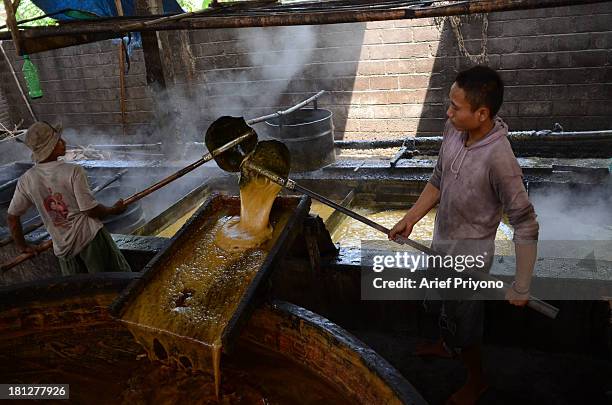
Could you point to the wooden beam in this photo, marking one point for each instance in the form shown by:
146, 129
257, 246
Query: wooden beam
153, 62
119, 8
32, 46
280, 18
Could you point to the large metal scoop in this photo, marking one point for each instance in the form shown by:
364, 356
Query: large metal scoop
228, 139
224, 130
272, 155
264, 167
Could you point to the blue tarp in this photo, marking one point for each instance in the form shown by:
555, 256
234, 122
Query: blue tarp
101, 8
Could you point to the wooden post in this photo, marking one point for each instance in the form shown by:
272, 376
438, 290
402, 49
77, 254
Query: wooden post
121, 58
11, 22
150, 48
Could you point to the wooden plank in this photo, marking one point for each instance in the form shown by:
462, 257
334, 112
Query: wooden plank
31, 46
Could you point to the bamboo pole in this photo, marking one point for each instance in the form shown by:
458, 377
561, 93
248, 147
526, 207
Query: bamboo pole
46, 245
11, 22
25, 99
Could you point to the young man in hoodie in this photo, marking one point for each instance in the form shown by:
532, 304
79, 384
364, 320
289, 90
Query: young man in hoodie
71, 214
475, 178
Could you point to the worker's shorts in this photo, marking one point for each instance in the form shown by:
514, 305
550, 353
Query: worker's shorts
461, 324
461, 317
100, 255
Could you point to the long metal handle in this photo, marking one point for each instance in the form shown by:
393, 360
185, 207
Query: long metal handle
206, 158
287, 111
534, 303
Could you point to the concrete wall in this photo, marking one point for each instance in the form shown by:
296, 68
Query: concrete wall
384, 79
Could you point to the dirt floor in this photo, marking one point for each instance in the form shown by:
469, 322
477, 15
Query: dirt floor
516, 376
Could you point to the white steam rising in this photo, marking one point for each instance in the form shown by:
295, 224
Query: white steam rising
574, 215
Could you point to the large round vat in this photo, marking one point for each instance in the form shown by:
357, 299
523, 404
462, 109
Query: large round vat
126, 222
9, 175
309, 135
59, 331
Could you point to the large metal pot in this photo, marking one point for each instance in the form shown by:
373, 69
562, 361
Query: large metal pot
309, 135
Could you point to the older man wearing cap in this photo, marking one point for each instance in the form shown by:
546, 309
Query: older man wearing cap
71, 214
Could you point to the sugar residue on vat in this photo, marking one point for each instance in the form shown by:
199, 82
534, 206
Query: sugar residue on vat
173, 228
320, 209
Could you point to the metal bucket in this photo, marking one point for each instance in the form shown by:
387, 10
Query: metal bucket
309, 135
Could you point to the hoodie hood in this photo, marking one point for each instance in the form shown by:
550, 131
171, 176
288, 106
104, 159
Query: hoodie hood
499, 131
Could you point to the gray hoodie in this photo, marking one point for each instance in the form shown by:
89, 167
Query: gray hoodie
476, 183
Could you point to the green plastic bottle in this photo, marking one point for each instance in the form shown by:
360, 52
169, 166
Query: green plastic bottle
30, 74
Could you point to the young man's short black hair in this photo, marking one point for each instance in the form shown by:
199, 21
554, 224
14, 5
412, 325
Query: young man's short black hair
483, 88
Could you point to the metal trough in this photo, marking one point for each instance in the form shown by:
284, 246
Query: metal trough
286, 216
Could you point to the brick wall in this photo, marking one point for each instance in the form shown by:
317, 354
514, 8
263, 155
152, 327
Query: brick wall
384, 79
81, 88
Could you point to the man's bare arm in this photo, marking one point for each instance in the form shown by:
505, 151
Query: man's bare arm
427, 200
14, 224
102, 211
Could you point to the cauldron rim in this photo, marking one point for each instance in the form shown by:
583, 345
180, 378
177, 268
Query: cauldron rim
15, 296
328, 116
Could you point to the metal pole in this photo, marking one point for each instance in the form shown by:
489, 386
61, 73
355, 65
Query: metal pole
534, 303
206, 158
287, 111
